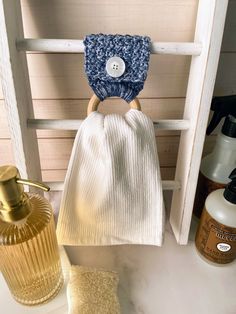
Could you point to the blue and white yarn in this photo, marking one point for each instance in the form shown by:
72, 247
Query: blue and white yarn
134, 50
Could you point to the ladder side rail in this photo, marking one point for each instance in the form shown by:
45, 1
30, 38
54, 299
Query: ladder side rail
16, 91
209, 31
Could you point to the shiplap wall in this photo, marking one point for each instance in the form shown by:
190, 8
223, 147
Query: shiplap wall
59, 86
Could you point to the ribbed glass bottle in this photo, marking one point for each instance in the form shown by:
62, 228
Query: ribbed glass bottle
29, 255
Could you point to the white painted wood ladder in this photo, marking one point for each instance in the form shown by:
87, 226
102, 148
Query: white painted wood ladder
205, 52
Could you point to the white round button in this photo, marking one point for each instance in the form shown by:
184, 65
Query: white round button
115, 67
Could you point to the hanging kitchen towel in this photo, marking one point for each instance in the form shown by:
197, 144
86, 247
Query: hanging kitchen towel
113, 192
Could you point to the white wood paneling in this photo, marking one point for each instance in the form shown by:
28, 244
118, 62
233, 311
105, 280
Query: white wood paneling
55, 152
6, 152
162, 20
54, 76
58, 76
62, 76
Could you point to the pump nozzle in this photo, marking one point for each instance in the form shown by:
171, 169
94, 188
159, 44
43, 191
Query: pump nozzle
230, 190
36, 184
12, 193
222, 107
232, 176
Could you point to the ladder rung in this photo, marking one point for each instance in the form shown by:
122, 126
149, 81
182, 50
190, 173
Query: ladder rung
167, 185
77, 46
57, 124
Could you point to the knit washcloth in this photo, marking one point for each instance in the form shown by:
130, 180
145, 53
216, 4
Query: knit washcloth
133, 50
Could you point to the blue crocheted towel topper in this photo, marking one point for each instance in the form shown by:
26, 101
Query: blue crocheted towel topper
116, 65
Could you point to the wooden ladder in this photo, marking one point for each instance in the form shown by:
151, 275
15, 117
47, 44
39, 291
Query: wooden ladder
205, 51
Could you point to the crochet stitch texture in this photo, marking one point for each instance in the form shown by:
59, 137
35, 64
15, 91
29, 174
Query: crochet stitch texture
135, 52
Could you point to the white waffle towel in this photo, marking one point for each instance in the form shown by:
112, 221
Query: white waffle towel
113, 192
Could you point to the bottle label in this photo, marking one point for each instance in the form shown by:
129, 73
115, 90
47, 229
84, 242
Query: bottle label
215, 241
204, 187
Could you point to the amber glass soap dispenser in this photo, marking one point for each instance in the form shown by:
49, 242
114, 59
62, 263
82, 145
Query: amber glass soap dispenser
29, 255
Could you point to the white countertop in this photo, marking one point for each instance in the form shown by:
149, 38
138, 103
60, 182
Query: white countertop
166, 280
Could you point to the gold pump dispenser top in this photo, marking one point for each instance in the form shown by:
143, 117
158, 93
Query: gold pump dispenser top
13, 200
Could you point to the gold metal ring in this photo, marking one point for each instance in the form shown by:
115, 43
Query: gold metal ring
95, 101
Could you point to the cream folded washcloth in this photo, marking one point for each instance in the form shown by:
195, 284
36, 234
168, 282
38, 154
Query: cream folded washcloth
113, 192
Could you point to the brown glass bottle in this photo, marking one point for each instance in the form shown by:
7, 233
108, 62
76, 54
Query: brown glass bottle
30, 261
